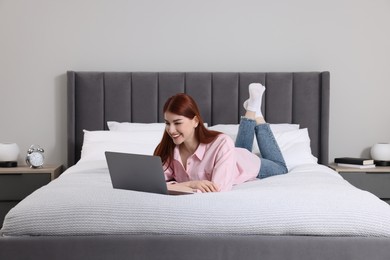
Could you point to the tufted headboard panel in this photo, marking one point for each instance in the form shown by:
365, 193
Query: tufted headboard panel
291, 97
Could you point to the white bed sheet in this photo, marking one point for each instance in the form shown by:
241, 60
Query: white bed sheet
309, 200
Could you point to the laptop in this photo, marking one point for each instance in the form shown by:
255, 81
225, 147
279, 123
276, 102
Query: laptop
140, 173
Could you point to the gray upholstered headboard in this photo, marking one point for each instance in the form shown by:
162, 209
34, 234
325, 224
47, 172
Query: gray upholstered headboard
97, 97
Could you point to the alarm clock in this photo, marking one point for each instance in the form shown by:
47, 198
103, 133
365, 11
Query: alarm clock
34, 157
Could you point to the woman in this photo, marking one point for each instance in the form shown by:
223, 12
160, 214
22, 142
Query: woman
208, 161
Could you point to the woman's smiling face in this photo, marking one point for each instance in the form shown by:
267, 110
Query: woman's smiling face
180, 128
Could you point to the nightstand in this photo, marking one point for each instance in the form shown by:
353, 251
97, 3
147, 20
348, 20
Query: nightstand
16, 183
375, 180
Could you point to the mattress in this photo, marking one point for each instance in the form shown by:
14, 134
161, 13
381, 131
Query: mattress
310, 200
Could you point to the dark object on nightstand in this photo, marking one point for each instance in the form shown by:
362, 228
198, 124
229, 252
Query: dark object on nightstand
382, 163
9, 164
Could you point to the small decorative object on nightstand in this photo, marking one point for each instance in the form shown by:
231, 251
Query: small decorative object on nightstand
34, 157
9, 153
380, 152
375, 180
16, 183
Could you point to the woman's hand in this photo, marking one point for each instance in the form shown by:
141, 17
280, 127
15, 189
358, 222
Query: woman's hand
203, 186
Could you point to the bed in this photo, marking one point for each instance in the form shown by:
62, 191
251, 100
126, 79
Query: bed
309, 213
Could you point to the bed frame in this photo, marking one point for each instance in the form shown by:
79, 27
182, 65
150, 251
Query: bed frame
96, 97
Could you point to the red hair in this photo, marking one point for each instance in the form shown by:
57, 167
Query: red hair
183, 105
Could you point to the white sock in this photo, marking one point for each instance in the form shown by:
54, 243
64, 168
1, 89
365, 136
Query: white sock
253, 104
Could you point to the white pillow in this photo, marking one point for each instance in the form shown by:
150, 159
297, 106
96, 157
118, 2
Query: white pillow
295, 147
127, 126
232, 130
294, 143
139, 142
229, 129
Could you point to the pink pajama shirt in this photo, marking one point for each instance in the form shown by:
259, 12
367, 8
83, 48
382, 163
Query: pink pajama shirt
219, 161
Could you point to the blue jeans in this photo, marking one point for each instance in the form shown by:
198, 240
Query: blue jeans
272, 161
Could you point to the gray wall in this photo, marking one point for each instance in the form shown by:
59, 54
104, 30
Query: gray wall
42, 39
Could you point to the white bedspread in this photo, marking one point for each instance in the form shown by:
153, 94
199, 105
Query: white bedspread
310, 200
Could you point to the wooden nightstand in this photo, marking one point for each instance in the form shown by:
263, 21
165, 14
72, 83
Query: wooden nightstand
375, 180
16, 183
